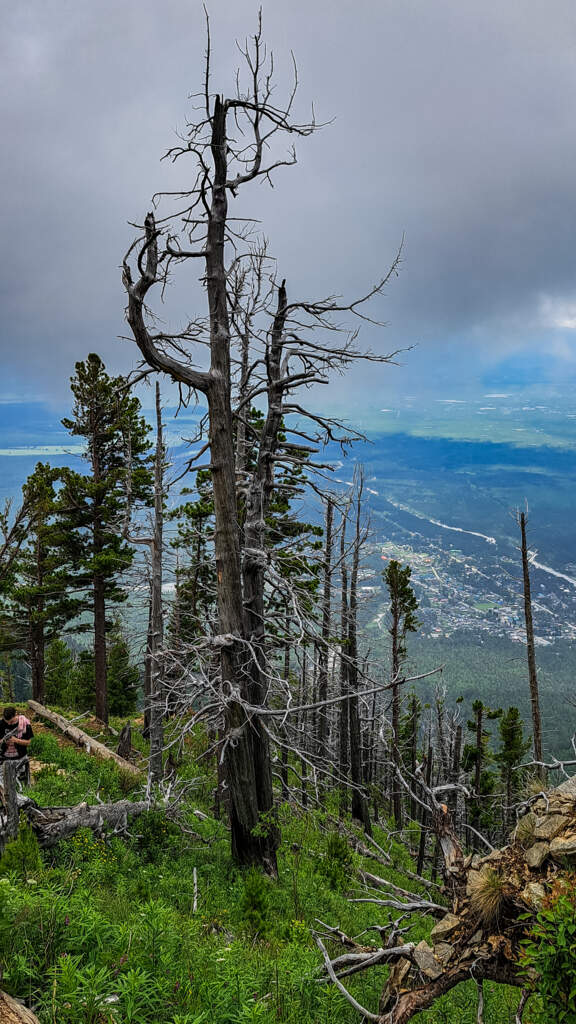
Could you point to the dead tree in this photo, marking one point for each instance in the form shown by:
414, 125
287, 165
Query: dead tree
154, 691
359, 802
530, 648
324, 649
287, 359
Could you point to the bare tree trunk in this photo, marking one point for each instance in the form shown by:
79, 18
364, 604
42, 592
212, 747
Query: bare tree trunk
302, 727
36, 649
530, 650
36, 644
396, 794
414, 730
148, 672
10, 800
323, 737
425, 817
459, 808
157, 696
100, 670
284, 751
343, 732
124, 748
359, 803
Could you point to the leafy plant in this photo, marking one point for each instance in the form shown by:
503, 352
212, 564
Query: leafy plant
254, 903
22, 855
338, 862
550, 954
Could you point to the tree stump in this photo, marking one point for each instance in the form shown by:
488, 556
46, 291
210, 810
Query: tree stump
124, 748
10, 800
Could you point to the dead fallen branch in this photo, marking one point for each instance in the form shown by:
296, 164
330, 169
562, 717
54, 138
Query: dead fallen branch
13, 1012
52, 824
82, 739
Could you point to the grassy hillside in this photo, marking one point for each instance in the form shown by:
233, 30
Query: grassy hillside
115, 929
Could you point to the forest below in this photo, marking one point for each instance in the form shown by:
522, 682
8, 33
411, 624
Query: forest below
259, 810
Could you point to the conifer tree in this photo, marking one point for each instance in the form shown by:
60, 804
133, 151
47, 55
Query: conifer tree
43, 597
99, 503
478, 759
195, 599
403, 606
60, 674
123, 676
509, 757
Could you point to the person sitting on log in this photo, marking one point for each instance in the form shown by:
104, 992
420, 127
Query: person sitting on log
15, 735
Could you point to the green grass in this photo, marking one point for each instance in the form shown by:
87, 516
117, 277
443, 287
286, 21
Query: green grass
105, 932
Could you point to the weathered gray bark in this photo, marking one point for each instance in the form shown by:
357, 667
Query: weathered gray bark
52, 824
36, 638
530, 649
13, 1012
10, 800
343, 730
124, 747
82, 739
156, 708
359, 802
323, 737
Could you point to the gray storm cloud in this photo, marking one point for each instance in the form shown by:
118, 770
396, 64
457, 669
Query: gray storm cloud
453, 125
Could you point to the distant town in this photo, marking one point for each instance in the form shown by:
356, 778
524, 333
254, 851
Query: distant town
457, 594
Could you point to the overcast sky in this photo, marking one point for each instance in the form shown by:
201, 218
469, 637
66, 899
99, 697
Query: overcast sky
454, 124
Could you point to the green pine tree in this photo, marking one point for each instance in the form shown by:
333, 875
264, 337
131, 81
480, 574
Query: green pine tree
123, 676
478, 759
60, 674
99, 503
513, 747
43, 598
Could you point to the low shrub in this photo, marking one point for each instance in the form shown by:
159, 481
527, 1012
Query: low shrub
549, 956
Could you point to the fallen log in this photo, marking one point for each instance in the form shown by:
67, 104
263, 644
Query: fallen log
52, 824
13, 1012
82, 739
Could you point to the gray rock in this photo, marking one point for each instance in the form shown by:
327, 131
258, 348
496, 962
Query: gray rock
427, 963
567, 788
534, 895
536, 855
445, 928
563, 846
550, 826
443, 951
471, 881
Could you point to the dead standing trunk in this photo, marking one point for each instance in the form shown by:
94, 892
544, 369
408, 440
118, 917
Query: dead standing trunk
323, 737
100, 672
343, 730
156, 707
36, 637
359, 802
246, 752
36, 648
530, 649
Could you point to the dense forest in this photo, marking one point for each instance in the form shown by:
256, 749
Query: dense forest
258, 810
